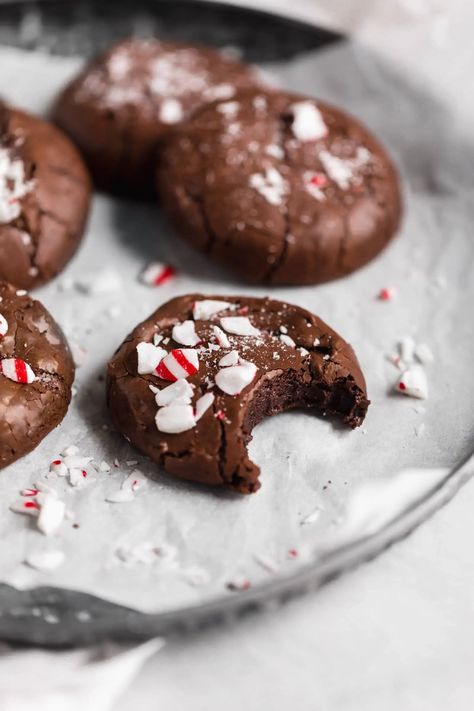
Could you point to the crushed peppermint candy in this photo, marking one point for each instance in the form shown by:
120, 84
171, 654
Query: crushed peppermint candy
174, 419
203, 404
178, 393
17, 370
13, 186
388, 293
231, 358
287, 340
308, 123
207, 308
343, 171
185, 333
221, 337
105, 281
149, 357
239, 326
45, 560
3, 326
233, 379
315, 184
271, 185
179, 363
171, 111
133, 482
413, 382
157, 274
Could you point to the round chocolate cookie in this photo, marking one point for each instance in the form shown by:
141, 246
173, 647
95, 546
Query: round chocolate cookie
44, 199
36, 374
124, 102
280, 188
190, 383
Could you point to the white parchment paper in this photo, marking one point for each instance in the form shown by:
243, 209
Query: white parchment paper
309, 467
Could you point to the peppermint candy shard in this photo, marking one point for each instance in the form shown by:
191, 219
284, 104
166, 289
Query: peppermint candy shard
203, 404
157, 274
231, 358
179, 363
174, 419
287, 340
3, 326
149, 357
185, 333
413, 382
206, 309
51, 514
234, 379
221, 337
178, 393
239, 326
17, 370
308, 123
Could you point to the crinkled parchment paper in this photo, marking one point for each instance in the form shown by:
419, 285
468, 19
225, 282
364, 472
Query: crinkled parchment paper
175, 544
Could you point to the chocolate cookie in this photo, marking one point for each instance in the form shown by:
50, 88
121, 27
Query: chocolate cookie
191, 382
36, 374
280, 188
123, 103
44, 199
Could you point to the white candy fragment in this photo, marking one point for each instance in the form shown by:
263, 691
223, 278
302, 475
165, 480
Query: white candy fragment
134, 481
271, 185
58, 467
149, 357
202, 405
234, 379
231, 358
45, 560
407, 349
206, 309
343, 171
174, 419
178, 393
51, 513
185, 333
308, 123
228, 108
413, 383
287, 340
239, 326
3, 326
156, 274
171, 111
104, 281
13, 186
221, 337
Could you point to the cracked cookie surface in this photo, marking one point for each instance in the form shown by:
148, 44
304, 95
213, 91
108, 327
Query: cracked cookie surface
36, 374
44, 199
282, 189
190, 383
126, 100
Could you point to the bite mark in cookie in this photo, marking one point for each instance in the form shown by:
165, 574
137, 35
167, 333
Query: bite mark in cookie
193, 409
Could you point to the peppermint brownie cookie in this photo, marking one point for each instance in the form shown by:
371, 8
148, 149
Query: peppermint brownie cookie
44, 199
280, 188
122, 105
36, 374
191, 382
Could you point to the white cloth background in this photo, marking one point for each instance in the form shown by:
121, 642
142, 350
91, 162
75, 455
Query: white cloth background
395, 634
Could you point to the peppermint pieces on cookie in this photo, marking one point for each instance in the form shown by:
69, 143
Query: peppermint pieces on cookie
3, 326
17, 370
253, 358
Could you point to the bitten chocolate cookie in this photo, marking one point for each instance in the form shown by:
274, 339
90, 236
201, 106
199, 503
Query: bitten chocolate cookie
36, 374
191, 382
44, 199
123, 103
280, 188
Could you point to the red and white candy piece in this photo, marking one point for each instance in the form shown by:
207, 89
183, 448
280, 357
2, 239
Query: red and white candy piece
58, 467
174, 419
3, 326
239, 326
308, 123
134, 481
314, 183
178, 393
17, 370
149, 356
413, 383
179, 363
234, 379
388, 293
157, 274
207, 308
221, 337
185, 333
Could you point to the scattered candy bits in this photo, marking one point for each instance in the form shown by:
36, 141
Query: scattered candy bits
413, 382
3, 326
157, 274
388, 293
